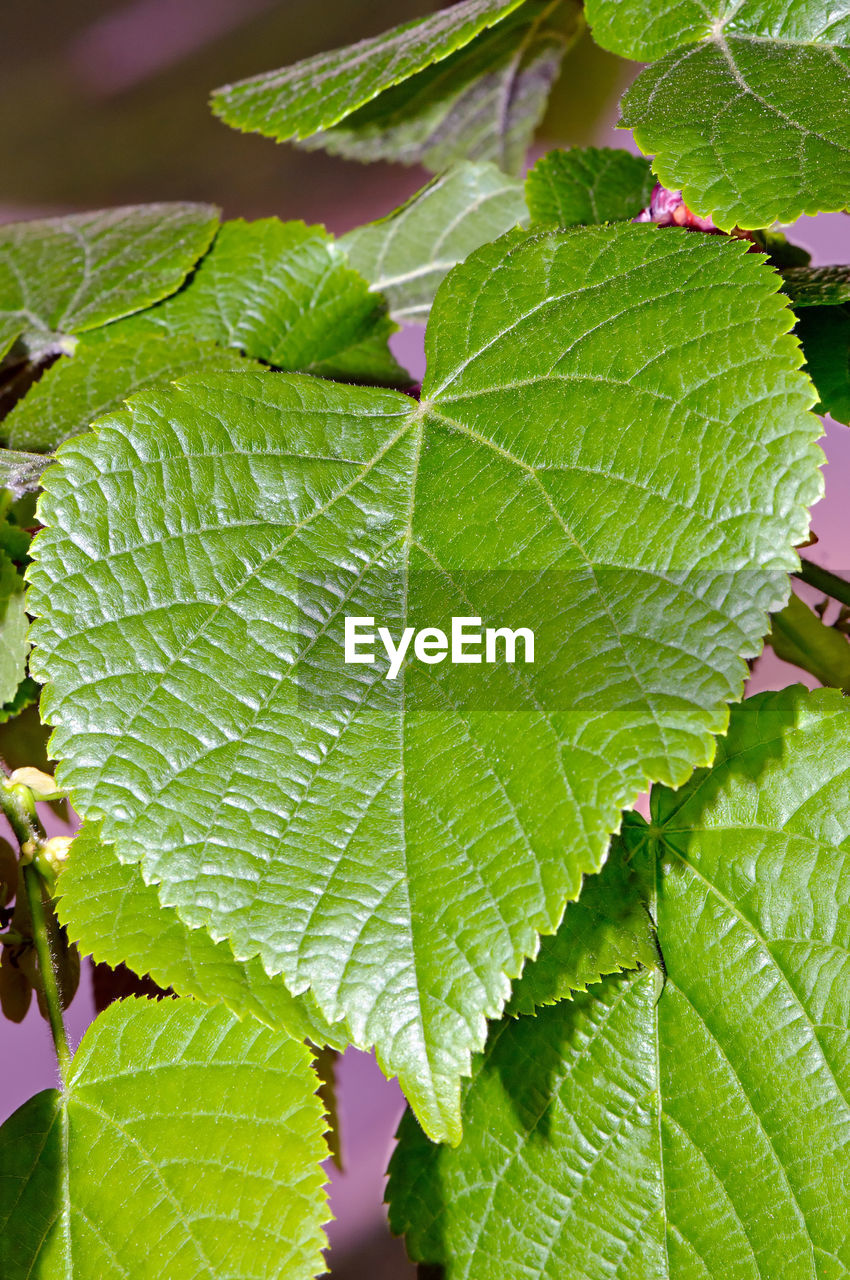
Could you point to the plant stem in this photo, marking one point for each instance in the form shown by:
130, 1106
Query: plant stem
823, 580
46, 967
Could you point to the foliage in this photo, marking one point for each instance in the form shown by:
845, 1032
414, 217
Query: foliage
612, 451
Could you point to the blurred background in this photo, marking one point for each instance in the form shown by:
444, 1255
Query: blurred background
104, 102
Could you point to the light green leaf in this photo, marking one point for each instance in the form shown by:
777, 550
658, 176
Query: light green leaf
561, 471
67, 275
747, 112
281, 292
14, 625
825, 335
817, 286
21, 472
608, 930
98, 377
588, 185
482, 103
116, 918
406, 255
184, 1143
319, 92
799, 636
706, 1133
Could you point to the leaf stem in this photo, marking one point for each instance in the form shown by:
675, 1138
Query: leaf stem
823, 580
47, 969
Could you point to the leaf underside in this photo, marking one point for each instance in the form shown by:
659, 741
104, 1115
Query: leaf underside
706, 1133
185, 1143
747, 109
398, 845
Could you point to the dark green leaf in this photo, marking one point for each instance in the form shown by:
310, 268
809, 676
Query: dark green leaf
589, 185
817, 286
825, 335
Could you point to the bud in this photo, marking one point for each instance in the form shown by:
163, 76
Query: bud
42, 785
54, 852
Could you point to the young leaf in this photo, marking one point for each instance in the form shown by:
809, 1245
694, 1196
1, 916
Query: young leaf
705, 1132
482, 103
281, 292
608, 930
747, 110
398, 844
116, 918
799, 636
297, 101
407, 254
589, 185
67, 275
98, 377
14, 625
825, 336
817, 286
184, 1143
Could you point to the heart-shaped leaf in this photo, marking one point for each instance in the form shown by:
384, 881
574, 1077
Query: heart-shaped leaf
397, 844
705, 1132
747, 110
184, 1143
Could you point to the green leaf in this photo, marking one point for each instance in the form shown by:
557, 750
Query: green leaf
608, 930
825, 336
317, 93
99, 377
26, 695
281, 292
747, 111
184, 1143
406, 255
67, 275
116, 918
817, 286
21, 472
799, 636
561, 470
14, 625
705, 1133
588, 185
482, 103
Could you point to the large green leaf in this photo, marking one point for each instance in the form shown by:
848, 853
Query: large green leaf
747, 110
184, 1143
406, 255
482, 103
588, 185
99, 377
14, 625
398, 844
825, 335
319, 92
116, 918
281, 292
706, 1133
67, 275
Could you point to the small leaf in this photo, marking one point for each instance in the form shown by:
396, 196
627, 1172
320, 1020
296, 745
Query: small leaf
561, 469
407, 254
825, 337
98, 377
817, 286
14, 625
747, 111
185, 1143
799, 636
589, 185
484, 102
705, 1132
315, 94
71, 274
281, 292
21, 472
116, 918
